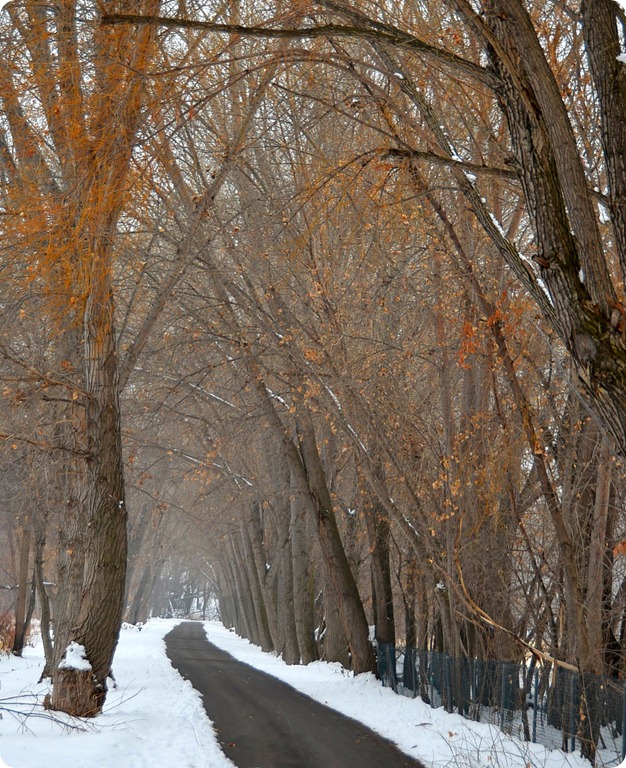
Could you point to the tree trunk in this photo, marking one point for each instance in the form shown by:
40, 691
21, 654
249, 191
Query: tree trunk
22, 592
377, 522
44, 602
285, 603
252, 566
71, 551
102, 601
338, 572
602, 41
303, 606
92, 94
248, 622
141, 596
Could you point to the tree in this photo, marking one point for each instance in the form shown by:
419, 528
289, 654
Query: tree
531, 76
357, 268
573, 261
71, 192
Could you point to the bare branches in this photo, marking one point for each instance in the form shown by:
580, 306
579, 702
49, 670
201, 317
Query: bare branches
35, 374
41, 444
382, 34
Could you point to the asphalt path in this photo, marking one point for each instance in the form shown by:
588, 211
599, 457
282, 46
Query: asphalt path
262, 722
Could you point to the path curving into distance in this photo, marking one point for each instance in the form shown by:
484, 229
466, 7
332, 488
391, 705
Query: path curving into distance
262, 722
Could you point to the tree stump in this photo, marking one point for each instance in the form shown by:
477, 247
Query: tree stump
76, 692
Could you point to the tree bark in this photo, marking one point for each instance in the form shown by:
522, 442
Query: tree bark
609, 77
102, 601
378, 531
21, 625
338, 570
254, 563
303, 606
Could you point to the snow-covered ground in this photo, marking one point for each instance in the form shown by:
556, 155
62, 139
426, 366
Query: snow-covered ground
154, 719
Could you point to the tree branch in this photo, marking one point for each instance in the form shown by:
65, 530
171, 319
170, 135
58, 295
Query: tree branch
383, 34
42, 445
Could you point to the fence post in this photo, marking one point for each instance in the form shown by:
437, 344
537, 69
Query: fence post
623, 721
449, 706
502, 694
431, 682
535, 705
573, 714
387, 665
410, 671
509, 671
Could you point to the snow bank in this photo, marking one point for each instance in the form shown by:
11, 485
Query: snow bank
153, 719
433, 736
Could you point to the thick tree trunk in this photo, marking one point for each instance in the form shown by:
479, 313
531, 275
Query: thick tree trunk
332, 640
92, 174
71, 550
247, 617
602, 42
338, 574
102, 600
587, 313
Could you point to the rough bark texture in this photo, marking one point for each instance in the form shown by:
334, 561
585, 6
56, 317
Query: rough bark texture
576, 275
609, 76
100, 156
570, 253
76, 691
102, 600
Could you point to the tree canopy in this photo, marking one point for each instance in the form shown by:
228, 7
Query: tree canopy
324, 300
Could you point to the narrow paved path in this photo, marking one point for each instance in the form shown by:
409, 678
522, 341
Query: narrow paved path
263, 723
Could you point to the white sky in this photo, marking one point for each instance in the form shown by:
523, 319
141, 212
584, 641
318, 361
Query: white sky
156, 720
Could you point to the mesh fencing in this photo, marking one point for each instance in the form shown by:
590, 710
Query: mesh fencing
544, 704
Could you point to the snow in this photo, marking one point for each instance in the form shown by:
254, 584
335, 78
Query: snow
622, 57
155, 719
605, 216
75, 658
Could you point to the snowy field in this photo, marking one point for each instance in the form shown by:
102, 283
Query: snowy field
154, 719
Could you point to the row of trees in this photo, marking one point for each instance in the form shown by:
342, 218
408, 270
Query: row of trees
323, 301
